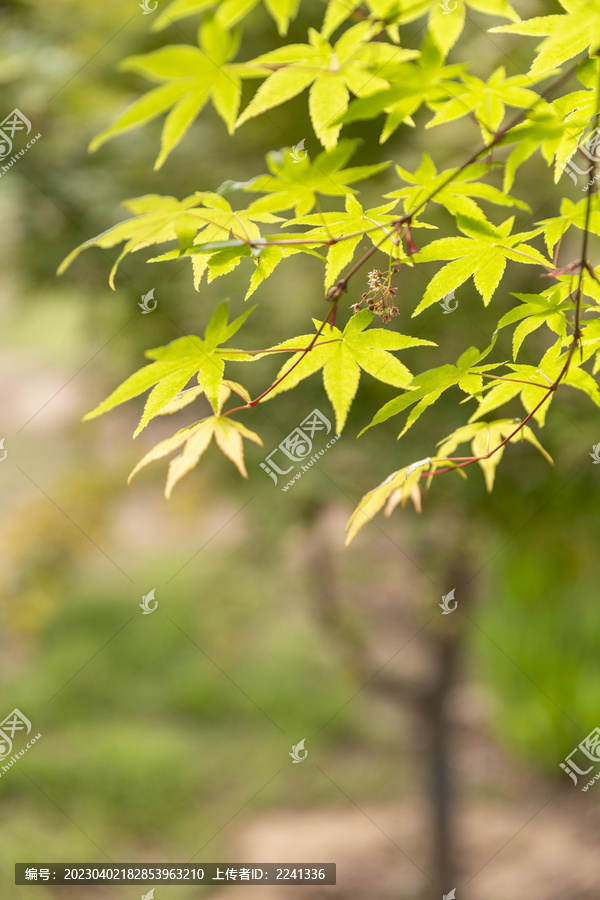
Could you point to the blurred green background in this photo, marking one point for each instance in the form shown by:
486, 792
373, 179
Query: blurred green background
166, 737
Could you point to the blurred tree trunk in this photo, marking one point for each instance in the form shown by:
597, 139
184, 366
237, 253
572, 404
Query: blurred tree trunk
439, 743
430, 702
445, 646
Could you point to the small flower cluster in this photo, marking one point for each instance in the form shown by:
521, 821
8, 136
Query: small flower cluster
380, 296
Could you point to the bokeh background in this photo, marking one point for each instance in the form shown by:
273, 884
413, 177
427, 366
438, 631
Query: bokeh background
433, 742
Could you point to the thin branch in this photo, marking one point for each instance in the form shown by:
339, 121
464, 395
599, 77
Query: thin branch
401, 226
584, 265
473, 459
407, 217
291, 349
252, 403
516, 380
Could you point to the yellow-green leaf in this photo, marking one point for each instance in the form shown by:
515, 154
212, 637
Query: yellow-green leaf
179, 120
282, 85
328, 99
228, 435
196, 444
164, 392
341, 375
402, 480
164, 448
488, 274
145, 109
446, 27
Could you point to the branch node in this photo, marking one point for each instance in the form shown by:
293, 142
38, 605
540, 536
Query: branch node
334, 293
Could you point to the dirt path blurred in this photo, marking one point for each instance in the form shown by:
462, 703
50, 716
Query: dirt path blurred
529, 850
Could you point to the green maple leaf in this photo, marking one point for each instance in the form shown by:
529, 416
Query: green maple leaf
175, 364
335, 224
159, 220
444, 27
547, 308
332, 72
542, 377
481, 254
457, 196
484, 436
342, 355
566, 35
229, 12
486, 100
411, 84
296, 183
195, 439
425, 389
543, 130
220, 220
188, 78
571, 215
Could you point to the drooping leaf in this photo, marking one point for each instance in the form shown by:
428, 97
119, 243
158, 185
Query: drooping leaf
228, 435
403, 482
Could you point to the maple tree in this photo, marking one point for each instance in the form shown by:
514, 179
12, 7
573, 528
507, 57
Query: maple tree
355, 69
